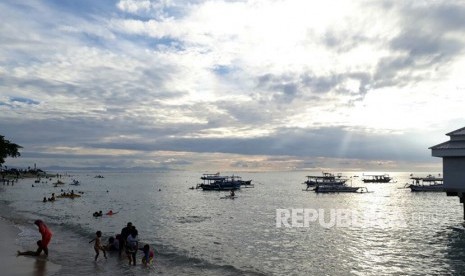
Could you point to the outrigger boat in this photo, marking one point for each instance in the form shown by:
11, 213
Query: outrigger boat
376, 178
325, 179
217, 182
426, 184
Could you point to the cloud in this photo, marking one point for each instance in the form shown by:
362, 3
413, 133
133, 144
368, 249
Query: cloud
23, 100
299, 80
430, 38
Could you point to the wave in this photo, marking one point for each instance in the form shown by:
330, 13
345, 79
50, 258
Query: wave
194, 264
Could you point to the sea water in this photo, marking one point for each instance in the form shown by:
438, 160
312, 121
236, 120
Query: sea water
275, 228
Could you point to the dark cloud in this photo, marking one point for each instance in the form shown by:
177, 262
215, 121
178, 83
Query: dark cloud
82, 131
322, 84
342, 41
238, 114
311, 87
430, 38
23, 100
324, 142
287, 88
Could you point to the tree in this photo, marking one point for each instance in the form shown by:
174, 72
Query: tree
8, 149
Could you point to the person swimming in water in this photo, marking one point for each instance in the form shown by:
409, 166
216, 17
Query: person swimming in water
98, 214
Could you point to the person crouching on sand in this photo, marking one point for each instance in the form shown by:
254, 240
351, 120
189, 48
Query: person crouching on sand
98, 245
43, 243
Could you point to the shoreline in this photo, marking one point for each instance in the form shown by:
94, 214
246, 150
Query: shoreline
20, 265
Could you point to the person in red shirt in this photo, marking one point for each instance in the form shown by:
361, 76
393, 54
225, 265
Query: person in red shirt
43, 243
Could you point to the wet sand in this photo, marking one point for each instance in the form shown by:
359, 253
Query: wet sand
12, 265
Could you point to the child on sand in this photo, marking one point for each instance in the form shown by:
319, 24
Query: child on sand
98, 245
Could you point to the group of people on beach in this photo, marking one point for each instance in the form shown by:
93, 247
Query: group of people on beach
126, 241
8, 181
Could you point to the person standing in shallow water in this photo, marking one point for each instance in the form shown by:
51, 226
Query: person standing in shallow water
123, 237
43, 243
132, 245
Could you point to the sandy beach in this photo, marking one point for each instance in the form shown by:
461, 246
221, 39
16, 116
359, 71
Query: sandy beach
12, 265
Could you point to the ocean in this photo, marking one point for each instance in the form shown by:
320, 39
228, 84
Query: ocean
275, 228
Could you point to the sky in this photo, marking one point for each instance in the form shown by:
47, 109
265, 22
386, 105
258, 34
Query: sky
257, 85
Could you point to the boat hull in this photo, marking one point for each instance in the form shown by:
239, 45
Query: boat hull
427, 188
336, 189
220, 186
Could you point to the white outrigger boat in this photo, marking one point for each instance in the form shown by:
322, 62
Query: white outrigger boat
331, 183
218, 182
376, 178
426, 184
327, 179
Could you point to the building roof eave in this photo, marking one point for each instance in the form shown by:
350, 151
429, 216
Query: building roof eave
438, 145
457, 132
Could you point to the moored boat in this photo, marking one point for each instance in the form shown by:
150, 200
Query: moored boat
217, 182
376, 178
427, 184
325, 179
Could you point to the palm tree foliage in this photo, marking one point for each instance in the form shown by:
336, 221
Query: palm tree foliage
8, 149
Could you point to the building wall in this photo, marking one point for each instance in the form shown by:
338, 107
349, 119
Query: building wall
454, 174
